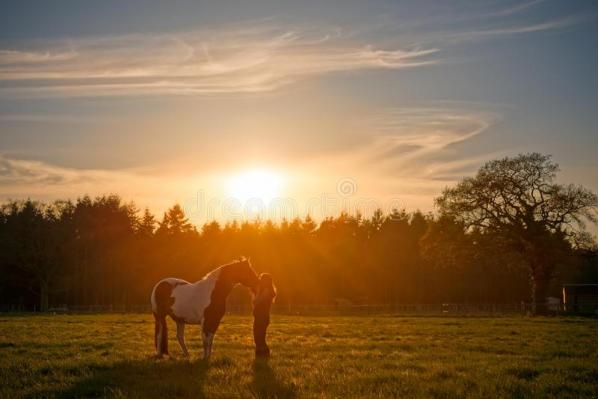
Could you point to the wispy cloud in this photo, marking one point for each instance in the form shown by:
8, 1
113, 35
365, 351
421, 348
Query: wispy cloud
17, 57
458, 17
463, 25
412, 153
511, 10
27, 172
23, 178
204, 62
421, 141
513, 30
49, 118
256, 57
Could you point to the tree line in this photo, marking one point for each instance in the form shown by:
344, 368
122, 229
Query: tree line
494, 239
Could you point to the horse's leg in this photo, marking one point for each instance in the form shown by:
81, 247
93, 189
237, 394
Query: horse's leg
180, 334
208, 338
160, 335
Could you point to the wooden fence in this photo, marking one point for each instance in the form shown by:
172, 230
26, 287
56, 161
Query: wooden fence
328, 309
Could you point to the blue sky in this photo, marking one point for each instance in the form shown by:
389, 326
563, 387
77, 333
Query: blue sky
160, 101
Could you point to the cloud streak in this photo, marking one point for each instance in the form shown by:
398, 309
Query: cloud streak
411, 153
197, 63
513, 30
15, 172
21, 178
417, 141
257, 58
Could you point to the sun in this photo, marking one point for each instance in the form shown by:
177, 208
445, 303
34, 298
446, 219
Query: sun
262, 184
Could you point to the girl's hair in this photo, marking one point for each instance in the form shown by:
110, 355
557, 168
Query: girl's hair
265, 285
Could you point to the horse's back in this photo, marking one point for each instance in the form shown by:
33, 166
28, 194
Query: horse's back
183, 300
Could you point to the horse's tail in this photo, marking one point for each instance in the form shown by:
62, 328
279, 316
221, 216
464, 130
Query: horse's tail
161, 334
162, 302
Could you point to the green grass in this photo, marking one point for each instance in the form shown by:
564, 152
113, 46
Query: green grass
69, 356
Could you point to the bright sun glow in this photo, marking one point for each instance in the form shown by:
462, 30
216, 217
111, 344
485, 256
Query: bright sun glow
255, 183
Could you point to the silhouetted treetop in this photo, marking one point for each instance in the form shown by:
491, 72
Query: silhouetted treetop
147, 224
520, 194
517, 198
174, 222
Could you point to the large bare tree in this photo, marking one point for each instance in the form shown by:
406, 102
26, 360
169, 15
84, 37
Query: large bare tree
517, 197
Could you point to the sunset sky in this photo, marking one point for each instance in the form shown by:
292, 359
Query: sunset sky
327, 105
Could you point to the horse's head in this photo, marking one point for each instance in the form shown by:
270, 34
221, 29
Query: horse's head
241, 272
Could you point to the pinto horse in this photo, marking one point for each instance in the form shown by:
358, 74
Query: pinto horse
202, 302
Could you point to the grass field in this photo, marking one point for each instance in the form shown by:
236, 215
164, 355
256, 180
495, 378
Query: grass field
366, 356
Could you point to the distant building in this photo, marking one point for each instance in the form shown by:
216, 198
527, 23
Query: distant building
580, 298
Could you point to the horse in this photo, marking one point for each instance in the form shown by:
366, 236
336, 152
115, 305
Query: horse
202, 302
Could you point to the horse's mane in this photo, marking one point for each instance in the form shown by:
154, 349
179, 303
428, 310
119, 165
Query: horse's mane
234, 262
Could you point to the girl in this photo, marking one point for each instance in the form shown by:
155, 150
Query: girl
262, 302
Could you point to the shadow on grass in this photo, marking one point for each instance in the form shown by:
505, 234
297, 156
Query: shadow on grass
141, 379
266, 383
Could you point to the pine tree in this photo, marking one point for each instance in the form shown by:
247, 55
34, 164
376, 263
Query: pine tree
174, 222
147, 225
